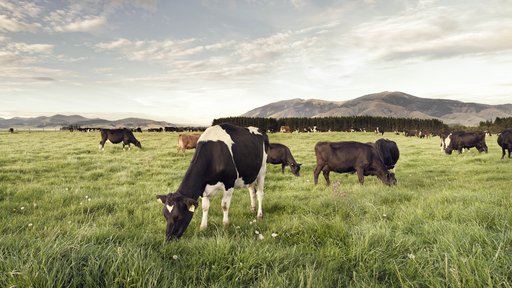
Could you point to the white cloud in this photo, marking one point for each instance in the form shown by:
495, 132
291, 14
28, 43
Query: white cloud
83, 25
434, 32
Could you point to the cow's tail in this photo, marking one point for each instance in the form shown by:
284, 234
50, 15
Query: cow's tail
265, 140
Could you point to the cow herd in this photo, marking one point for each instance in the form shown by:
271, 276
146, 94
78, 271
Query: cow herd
228, 156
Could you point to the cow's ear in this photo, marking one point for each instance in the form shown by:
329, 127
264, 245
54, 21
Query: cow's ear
191, 204
298, 164
161, 198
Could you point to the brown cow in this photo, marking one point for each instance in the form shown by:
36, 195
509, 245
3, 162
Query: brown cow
285, 129
187, 141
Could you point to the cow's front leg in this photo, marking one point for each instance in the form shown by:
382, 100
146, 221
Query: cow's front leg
360, 175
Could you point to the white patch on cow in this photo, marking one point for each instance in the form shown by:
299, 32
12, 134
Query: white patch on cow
254, 130
192, 208
210, 190
447, 141
216, 133
239, 182
169, 208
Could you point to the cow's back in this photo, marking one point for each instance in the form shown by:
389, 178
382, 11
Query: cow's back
231, 147
345, 156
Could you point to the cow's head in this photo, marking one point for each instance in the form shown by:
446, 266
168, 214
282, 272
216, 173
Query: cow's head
390, 179
295, 167
137, 144
178, 211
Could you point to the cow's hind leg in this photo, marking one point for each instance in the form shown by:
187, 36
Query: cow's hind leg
226, 202
252, 195
503, 153
317, 172
259, 194
326, 176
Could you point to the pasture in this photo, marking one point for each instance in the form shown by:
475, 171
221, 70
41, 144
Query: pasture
73, 216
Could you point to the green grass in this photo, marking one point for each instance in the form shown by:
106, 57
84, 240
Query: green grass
73, 216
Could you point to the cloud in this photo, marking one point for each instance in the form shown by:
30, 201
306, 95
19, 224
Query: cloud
14, 25
42, 78
22, 48
434, 32
83, 25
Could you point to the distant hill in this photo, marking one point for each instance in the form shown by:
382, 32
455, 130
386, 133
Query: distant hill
387, 104
58, 121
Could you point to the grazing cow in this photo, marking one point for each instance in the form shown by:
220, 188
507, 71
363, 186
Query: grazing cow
388, 151
186, 141
156, 129
350, 156
226, 157
505, 142
118, 135
280, 154
459, 141
11, 130
379, 131
285, 129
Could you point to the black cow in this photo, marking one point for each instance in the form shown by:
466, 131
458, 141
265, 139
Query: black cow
505, 142
226, 157
280, 154
11, 130
388, 151
350, 156
118, 135
456, 141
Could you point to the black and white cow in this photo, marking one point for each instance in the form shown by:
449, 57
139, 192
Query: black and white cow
226, 157
505, 142
350, 156
388, 151
117, 136
465, 141
281, 154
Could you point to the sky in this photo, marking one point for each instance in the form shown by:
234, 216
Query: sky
188, 62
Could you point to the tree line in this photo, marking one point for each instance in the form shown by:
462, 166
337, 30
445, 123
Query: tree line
497, 125
323, 124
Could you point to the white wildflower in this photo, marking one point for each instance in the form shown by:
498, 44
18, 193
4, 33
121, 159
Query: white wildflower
274, 235
257, 232
411, 256
260, 237
29, 224
174, 257
22, 208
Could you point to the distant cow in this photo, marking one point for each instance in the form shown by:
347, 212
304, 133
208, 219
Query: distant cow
280, 154
465, 141
156, 129
505, 142
226, 157
117, 136
388, 151
186, 141
285, 129
11, 130
350, 156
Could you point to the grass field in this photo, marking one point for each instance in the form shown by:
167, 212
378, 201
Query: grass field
73, 216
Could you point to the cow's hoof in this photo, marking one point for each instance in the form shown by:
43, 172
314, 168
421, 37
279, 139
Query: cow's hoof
260, 216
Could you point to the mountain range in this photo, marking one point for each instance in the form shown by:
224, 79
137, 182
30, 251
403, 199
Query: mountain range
387, 104
57, 121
